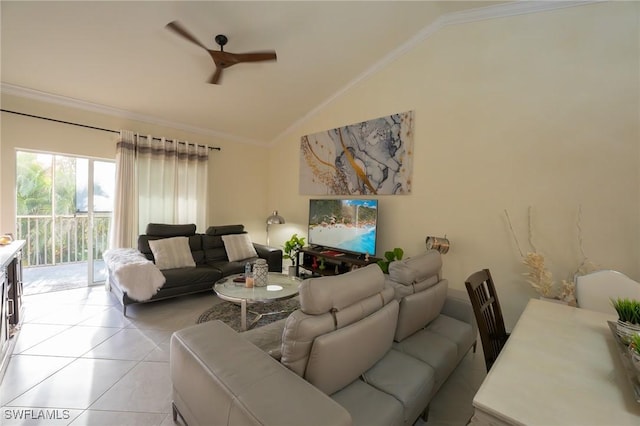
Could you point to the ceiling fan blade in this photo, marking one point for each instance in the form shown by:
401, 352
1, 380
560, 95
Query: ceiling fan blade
255, 56
176, 27
215, 79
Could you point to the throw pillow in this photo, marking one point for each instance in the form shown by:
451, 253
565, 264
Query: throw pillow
170, 253
238, 247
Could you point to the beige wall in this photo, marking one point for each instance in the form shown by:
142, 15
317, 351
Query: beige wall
538, 110
237, 194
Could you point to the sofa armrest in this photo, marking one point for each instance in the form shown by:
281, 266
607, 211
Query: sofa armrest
220, 378
272, 255
457, 305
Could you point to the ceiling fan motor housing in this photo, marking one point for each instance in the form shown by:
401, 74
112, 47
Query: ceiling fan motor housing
221, 40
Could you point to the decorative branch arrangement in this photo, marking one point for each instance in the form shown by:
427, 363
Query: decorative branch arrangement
539, 277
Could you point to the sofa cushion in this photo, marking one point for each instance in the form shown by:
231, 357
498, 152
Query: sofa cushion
190, 277
170, 253
434, 349
166, 230
195, 245
408, 379
341, 329
369, 406
213, 249
333, 293
238, 247
419, 309
228, 268
224, 230
339, 357
459, 332
422, 271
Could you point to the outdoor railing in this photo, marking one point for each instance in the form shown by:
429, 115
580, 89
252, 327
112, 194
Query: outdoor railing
51, 240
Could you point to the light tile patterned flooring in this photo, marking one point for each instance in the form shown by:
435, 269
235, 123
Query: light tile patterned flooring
78, 361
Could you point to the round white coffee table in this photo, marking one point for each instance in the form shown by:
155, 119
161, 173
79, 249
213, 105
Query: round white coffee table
279, 287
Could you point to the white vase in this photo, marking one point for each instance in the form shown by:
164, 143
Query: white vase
635, 360
626, 330
292, 271
260, 273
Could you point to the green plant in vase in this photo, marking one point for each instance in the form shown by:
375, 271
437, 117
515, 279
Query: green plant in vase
628, 318
390, 256
291, 250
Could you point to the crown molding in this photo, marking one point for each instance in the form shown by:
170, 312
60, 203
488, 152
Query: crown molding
10, 89
519, 7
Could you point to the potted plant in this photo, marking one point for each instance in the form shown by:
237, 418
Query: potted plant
628, 318
291, 250
390, 256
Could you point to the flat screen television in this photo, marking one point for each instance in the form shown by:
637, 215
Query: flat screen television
348, 225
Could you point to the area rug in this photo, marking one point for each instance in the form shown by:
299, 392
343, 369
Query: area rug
229, 313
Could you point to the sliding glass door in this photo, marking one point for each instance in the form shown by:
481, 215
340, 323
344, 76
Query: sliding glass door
64, 209
103, 186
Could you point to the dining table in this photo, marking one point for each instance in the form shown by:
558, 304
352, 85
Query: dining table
561, 365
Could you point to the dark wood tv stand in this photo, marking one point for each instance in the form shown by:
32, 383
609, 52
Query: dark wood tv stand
312, 259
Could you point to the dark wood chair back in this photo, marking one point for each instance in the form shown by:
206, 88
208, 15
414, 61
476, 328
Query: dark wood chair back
486, 308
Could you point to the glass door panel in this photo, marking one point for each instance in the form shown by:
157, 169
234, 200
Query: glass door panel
103, 193
66, 234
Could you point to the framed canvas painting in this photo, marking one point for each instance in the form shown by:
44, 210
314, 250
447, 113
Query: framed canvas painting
374, 157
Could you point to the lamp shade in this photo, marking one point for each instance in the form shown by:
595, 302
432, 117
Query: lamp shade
275, 219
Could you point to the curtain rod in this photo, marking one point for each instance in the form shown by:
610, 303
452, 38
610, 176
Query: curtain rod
217, 148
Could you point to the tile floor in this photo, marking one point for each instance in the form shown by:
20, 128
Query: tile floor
78, 361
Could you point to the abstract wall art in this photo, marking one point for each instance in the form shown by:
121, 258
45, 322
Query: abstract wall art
374, 157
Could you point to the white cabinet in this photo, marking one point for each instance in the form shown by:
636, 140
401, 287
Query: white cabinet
10, 298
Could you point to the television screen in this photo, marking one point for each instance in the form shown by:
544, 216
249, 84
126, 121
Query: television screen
348, 225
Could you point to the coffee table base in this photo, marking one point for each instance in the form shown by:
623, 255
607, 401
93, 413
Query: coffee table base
259, 316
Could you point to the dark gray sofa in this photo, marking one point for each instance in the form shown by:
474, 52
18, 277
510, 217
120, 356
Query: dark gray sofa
208, 253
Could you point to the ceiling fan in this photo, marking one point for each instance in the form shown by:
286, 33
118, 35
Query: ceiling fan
221, 58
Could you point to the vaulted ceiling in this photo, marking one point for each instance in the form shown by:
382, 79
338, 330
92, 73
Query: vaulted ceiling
118, 56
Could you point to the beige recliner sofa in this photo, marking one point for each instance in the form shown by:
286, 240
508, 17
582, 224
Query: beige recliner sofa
360, 351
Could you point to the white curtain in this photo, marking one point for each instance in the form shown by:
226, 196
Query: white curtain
172, 182
169, 185
124, 223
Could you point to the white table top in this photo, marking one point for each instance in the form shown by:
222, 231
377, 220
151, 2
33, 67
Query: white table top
560, 366
279, 287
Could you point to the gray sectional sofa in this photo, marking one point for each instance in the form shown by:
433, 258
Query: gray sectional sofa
363, 349
211, 261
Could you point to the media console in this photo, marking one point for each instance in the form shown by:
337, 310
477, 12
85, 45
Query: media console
318, 261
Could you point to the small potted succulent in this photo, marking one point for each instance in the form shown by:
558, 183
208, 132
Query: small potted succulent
628, 318
291, 250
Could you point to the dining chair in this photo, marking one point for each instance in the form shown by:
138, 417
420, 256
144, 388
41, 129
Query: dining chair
488, 313
594, 291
